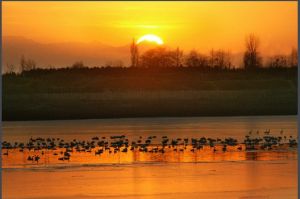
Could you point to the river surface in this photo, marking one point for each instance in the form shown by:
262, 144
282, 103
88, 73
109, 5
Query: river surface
137, 175
196, 127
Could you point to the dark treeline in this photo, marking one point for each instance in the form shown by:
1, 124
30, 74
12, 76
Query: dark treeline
161, 57
217, 59
117, 69
85, 79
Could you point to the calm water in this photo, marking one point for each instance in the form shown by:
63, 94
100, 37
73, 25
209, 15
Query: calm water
230, 180
215, 127
173, 175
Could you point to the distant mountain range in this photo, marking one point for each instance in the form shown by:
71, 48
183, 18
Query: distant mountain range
65, 54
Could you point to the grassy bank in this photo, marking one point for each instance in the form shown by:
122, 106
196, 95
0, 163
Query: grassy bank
91, 93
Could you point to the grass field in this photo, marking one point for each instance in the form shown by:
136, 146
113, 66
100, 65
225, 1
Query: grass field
89, 94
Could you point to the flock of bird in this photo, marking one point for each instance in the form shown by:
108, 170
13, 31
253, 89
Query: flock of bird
120, 143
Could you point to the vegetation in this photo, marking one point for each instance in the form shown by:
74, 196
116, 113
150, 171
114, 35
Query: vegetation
252, 59
160, 82
77, 93
134, 54
161, 57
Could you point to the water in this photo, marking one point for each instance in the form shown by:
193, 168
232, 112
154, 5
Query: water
173, 175
215, 127
230, 180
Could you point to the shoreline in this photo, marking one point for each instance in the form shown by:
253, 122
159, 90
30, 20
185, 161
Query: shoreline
154, 117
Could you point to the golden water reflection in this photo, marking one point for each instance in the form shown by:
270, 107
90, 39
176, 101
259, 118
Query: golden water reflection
19, 159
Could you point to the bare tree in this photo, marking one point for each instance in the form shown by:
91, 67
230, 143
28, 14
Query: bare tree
278, 61
191, 59
228, 59
212, 58
10, 68
78, 64
22, 63
178, 56
195, 59
157, 58
219, 59
27, 65
252, 59
134, 52
293, 58
30, 64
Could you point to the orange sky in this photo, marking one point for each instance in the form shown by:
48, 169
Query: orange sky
198, 25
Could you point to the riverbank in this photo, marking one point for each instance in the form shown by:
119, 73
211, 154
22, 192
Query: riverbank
55, 106
124, 93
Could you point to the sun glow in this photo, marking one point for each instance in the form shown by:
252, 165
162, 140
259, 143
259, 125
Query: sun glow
150, 38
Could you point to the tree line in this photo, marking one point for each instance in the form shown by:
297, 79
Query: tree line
160, 57
219, 59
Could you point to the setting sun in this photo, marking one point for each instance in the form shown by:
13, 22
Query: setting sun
150, 38
149, 99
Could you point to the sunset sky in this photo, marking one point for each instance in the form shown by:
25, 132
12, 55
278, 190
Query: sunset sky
190, 25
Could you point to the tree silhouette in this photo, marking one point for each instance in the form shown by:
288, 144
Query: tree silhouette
134, 54
78, 64
11, 69
178, 55
22, 63
252, 59
220, 59
277, 61
293, 58
157, 58
195, 59
27, 65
